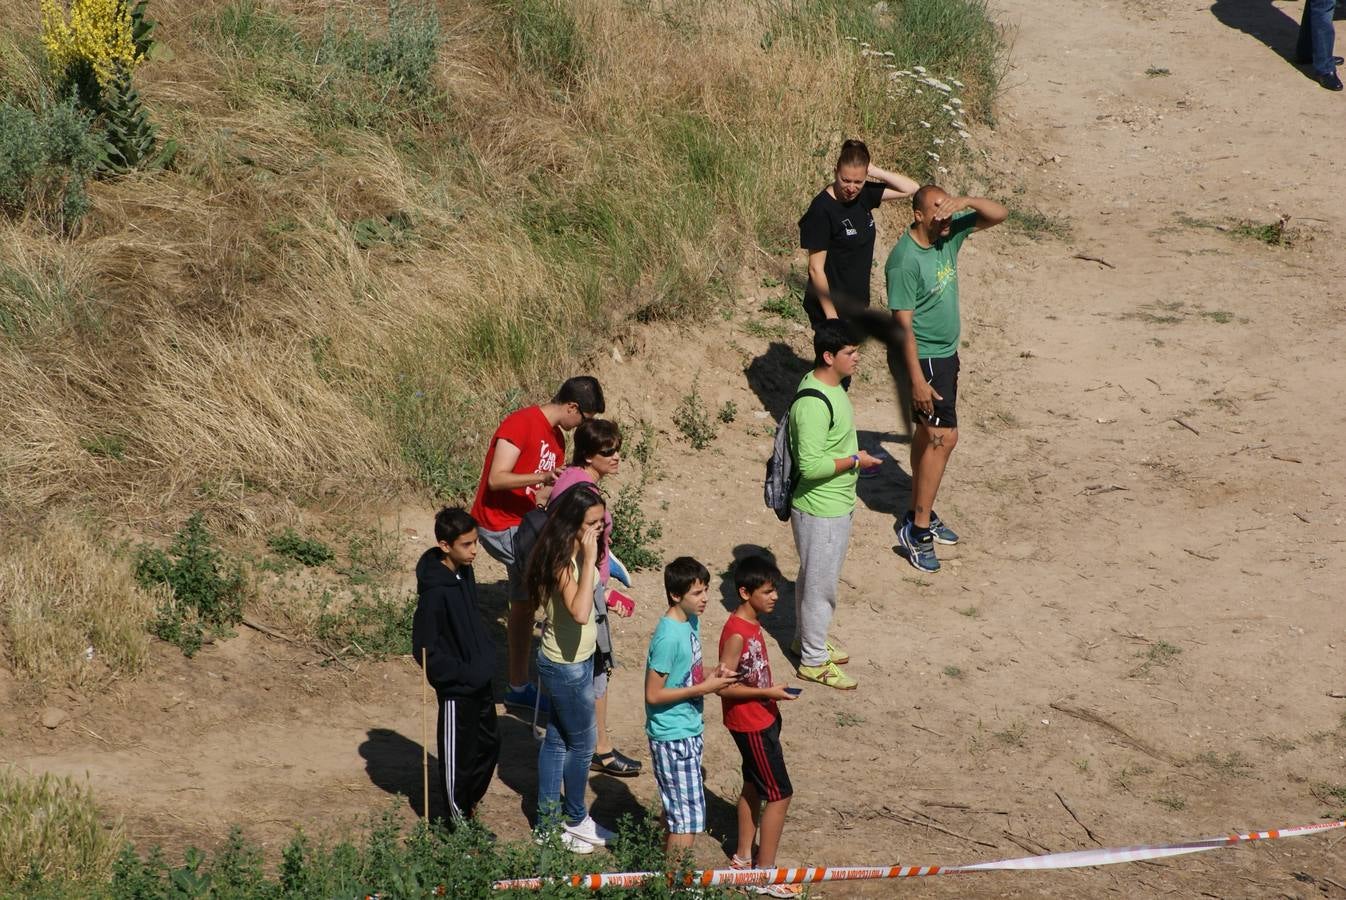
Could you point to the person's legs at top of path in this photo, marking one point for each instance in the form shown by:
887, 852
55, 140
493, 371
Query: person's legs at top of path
519, 626
1317, 38
931, 446
822, 543
563, 758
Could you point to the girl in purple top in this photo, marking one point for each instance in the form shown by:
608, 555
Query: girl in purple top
598, 445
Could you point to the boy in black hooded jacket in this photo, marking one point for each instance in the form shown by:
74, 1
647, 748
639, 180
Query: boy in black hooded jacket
459, 663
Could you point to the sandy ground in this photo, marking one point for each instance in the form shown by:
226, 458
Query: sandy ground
1134, 643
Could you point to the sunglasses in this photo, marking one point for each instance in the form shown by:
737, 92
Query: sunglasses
611, 451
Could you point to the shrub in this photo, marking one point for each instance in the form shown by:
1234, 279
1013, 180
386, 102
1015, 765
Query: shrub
51, 830
46, 160
308, 551
633, 536
404, 58
207, 591
370, 624
693, 421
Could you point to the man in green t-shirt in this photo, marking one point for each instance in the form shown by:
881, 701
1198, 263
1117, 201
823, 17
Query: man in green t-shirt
922, 273
828, 458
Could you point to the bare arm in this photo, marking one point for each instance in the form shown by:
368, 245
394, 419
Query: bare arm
923, 396
656, 694
898, 185
989, 212
502, 476
729, 656
818, 278
578, 595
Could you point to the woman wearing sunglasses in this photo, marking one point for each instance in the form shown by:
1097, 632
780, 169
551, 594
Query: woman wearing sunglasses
598, 447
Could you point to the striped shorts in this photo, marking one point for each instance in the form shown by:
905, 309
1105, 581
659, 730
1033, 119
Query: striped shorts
677, 771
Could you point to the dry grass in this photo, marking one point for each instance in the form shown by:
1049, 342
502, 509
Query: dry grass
219, 336
63, 592
52, 824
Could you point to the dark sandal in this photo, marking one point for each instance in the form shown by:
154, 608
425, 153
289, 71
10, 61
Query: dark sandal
615, 763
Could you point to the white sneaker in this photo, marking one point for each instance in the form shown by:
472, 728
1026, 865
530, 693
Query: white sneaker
569, 842
590, 831
575, 844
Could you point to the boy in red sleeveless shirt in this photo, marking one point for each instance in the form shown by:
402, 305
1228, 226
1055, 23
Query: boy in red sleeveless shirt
754, 721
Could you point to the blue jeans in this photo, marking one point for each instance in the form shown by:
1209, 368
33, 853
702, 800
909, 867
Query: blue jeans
568, 749
1317, 35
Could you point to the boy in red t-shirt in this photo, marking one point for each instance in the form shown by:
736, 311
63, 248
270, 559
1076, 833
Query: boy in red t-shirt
526, 453
754, 721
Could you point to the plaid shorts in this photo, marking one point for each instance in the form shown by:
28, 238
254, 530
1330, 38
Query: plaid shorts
677, 771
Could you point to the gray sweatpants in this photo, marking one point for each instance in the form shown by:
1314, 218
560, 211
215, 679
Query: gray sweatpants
821, 543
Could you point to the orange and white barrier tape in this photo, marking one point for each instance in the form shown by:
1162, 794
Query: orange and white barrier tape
813, 875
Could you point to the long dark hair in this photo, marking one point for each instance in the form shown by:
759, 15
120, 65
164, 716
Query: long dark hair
555, 547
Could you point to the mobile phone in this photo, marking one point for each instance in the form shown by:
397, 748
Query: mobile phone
794, 692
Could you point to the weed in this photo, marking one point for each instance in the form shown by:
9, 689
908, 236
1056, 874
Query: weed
849, 719
1160, 313
1274, 234
46, 160
633, 536
370, 624
1219, 316
207, 590
1036, 224
769, 281
764, 330
1157, 72
692, 420
51, 830
971, 612
548, 41
728, 412
1159, 653
1013, 736
1171, 802
1231, 765
108, 446
308, 551
789, 307
643, 452
371, 555
1124, 779
1331, 793
1082, 765
953, 672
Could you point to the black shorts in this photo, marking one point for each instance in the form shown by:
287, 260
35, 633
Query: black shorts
763, 762
942, 375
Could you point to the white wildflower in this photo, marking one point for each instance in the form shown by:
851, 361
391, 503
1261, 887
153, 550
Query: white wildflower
959, 125
955, 101
919, 91
964, 135
943, 171
937, 141
889, 53
920, 69
947, 108
956, 82
925, 124
933, 155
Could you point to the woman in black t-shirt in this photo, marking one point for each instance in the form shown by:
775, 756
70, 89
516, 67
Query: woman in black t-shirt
838, 232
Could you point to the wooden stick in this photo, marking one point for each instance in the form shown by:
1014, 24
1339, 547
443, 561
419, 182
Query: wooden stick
425, 739
1086, 828
1094, 259
1185, 424
897, 817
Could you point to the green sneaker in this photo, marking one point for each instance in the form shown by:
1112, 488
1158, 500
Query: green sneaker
828, 675
834, 653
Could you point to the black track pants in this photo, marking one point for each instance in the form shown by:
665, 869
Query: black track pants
469, 747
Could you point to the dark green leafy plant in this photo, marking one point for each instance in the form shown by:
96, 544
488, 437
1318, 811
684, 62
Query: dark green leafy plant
308, 551
207, 590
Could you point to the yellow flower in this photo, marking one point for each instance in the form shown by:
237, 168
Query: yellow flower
97, 32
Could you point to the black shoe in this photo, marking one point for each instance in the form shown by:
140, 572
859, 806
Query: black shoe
615, 763
1330, 81
1336, 61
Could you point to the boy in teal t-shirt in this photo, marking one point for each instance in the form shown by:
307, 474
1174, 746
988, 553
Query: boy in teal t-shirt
922, 275
674, 687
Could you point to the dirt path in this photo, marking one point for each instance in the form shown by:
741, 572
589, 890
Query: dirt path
1146, 615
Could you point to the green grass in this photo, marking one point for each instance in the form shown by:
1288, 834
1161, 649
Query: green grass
309, 552
1159, 653
51, 830
953, 672
1171, 802
693, 421
1157, 72
1273, 234
849, 719
371, 624
1036, 224
1228, 765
